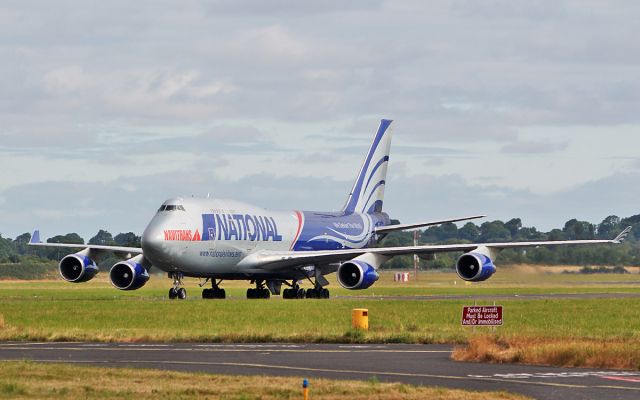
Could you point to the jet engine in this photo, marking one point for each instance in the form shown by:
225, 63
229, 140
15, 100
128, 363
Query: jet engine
77, 267
130, 274
475, 267
356, 275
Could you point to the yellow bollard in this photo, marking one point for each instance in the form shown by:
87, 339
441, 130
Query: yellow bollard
305, 389
360, 318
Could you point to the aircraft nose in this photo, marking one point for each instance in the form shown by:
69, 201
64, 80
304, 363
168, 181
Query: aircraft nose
152, 240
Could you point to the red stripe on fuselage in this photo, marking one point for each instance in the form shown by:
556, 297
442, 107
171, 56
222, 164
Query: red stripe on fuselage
299, 215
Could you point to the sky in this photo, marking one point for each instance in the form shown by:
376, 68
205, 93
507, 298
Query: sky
506, 108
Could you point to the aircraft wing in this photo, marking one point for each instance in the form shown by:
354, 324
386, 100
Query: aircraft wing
35, 241
402, 227
274, 260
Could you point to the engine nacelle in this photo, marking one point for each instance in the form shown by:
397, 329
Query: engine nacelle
356, 275
77, 267
130, 274
475, 267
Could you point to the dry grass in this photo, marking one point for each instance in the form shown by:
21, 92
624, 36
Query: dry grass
555, 269
616, 354
30, 380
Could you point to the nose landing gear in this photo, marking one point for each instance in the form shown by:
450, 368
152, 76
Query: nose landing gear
177, 292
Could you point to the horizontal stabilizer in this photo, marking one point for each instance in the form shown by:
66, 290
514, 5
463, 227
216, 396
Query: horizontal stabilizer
35, 238
35, 241
403, 227
623, 235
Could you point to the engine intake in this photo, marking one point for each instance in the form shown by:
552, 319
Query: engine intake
129, 274
475, 267
356, 275
77, 267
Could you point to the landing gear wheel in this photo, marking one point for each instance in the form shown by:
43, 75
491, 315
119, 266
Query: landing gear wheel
214, 292
176, 292
296, 292
258, 293
317, 293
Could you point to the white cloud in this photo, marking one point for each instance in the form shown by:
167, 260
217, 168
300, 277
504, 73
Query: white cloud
269, 44
514, 100
66, 80
533, 147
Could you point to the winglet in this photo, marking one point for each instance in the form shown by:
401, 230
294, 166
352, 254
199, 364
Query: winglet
35, 238
622, 236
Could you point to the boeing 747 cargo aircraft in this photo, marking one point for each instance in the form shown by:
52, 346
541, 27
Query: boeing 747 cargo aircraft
220, 239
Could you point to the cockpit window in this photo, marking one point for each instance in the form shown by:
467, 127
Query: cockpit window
171, 207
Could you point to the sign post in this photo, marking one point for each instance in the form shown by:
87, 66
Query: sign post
482, 316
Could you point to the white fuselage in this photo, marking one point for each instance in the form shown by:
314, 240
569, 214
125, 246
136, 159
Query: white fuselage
210, 237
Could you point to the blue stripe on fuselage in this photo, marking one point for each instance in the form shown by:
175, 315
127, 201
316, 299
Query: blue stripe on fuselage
334, 231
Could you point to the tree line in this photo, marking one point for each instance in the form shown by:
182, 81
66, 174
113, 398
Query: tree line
17, 251
627, 254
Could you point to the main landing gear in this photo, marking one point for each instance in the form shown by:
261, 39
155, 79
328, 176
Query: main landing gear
215, 292
177, 292
259, 292
296, 292
318, 292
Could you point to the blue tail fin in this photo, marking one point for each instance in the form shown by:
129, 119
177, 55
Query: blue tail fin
367, 194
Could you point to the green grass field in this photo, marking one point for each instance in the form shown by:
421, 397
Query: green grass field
55, 310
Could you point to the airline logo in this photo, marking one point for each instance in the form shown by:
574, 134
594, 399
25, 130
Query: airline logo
181, 235
239, 227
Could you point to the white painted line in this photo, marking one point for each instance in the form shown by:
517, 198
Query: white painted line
252, 346
554, 375
222, 350
341, 371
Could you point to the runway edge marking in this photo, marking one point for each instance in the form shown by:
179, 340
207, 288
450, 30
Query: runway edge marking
308, 369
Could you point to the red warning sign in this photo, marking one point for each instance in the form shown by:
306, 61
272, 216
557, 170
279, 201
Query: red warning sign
482, 316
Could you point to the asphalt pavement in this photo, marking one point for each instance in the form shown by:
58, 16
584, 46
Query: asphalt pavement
414, 364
